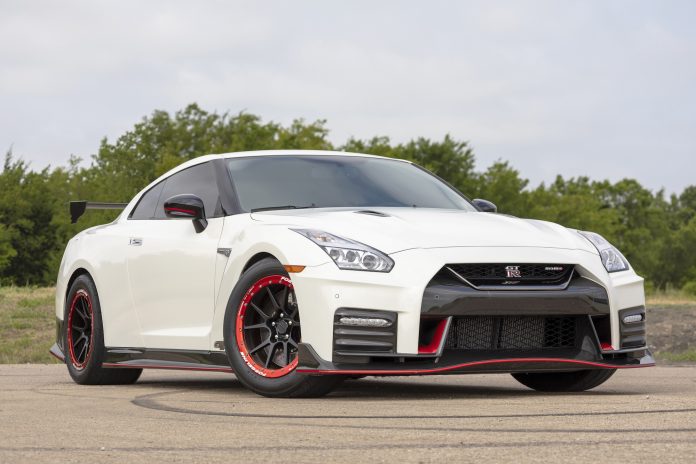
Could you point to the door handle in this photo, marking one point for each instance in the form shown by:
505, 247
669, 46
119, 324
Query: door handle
136, 241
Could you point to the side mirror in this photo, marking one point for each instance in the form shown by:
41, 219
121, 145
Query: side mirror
485, 206
187, 206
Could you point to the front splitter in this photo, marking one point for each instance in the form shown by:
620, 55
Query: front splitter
311, 364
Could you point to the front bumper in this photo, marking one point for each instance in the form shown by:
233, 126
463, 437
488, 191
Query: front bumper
410, 293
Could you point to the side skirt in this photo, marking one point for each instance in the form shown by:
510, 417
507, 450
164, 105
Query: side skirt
147, 358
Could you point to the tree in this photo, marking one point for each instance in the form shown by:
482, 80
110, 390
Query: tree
503, 185
658, 236
27, 234
450, 159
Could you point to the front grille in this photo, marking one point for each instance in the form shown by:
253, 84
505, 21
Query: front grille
511, 333
512, 274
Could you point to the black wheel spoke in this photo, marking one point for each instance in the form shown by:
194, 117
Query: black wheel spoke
270, 355
82, 355
261, 325
284, 299
81, 312
272, 297
259, 311
85, 313
263, 344
286, 349
292, 342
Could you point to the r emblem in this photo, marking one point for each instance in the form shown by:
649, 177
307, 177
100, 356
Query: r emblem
513, 272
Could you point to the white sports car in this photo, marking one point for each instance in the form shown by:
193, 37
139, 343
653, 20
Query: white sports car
297, 269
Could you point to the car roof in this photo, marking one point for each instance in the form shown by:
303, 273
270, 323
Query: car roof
255, 153
298, 152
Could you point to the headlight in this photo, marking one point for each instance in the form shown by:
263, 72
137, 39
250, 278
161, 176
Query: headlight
348, 254
612, 258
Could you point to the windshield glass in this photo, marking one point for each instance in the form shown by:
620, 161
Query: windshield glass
338, 181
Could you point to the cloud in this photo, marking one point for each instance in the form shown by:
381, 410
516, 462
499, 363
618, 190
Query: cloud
577, 88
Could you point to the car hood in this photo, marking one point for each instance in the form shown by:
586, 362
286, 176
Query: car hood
396, 229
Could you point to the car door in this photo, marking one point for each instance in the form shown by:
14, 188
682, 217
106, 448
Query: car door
171, 267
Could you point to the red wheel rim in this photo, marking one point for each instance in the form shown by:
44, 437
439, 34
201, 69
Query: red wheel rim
268, 327
80, 337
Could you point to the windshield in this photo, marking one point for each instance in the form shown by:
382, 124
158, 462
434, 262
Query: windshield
274, 182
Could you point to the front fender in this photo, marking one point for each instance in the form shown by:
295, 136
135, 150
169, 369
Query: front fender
245, 240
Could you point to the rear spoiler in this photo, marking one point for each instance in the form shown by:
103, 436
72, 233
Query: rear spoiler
78, 208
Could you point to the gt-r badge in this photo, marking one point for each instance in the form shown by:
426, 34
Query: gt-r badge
513, 272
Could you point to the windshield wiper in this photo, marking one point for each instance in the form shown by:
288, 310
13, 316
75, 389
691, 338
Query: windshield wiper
271, 208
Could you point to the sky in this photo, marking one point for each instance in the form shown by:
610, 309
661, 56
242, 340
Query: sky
603, 88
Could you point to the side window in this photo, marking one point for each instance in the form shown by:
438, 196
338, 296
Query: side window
198, 180
145, 209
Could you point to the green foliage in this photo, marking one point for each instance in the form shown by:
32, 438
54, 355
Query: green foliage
26, 214
690, 288
450, 159
657, 235
7, 252
502, 185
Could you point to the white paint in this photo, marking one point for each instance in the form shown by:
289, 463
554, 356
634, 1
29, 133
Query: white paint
172, 292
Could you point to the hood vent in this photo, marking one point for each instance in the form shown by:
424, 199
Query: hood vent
371, 213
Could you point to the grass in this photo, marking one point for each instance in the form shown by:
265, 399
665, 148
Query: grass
670, 297
684, 356
27, 325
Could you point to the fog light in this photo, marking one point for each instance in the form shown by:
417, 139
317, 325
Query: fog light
365, 321
633, 318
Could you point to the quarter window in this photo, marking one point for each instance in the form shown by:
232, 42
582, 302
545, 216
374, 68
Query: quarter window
145, 209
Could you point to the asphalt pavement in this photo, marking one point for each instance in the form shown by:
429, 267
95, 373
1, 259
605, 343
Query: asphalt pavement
639, 415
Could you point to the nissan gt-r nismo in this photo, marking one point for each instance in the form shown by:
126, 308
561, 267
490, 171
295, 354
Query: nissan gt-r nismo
297, 269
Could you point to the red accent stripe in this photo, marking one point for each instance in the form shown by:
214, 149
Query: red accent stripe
431, 348
469, 364
180, 210
155, 366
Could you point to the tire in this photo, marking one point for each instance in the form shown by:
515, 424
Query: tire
253, 319
83, 338
565, 381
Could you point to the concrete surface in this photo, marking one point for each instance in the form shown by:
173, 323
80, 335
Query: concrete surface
640, 415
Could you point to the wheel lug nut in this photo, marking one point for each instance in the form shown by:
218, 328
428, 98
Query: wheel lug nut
273, 323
